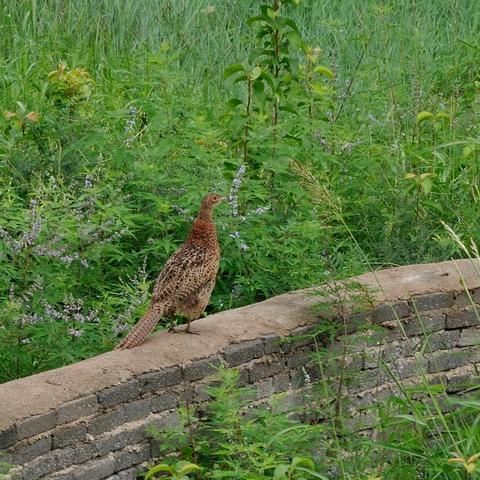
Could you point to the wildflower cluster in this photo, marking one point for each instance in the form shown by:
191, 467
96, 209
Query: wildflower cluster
130, 125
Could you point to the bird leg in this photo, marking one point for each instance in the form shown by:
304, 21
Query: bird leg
187, 330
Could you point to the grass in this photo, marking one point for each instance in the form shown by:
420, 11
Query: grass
99, 184
100, 187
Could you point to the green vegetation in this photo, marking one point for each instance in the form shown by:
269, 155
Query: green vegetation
119, 116
342, 147
345, 135
419, 435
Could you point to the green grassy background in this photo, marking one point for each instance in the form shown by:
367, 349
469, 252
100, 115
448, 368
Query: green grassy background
122, 208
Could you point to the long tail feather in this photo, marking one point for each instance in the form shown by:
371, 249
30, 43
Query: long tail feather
142, 329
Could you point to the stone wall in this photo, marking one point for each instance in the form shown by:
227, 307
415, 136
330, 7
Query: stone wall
87, 421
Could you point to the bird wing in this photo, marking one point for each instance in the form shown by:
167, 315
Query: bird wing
185, 271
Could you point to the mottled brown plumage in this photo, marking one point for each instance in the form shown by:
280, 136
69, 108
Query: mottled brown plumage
186, 282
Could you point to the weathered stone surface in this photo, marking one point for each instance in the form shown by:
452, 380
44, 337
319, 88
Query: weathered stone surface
272, 343
463, 318
164, 401
68, 435
422, 324
243, 352
365, 380
96, 469
469, 336
37, 424
82, 407
119, 393
131, 455
405, 368
138, 409
28, 451
464, 299
40, 466
388, 312
299, 358
267, 368
432, 301
443, 340
201, 368
264, 388
163, 378
106, 421
281, 382
8, 437
447, 360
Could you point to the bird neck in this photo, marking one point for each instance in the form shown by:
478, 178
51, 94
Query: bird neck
205, 214
203, 233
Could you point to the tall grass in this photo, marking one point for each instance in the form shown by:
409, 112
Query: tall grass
115, 175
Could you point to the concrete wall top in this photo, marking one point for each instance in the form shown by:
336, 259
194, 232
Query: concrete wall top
280, 315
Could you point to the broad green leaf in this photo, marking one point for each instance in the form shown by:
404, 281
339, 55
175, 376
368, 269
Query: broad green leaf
324, 71
295, 39
255, 73
280, 472
289, 108
230, 70
232, 104
303, 462
187, 468
157, 469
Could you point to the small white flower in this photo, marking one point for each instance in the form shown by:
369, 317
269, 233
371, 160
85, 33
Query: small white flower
74, 332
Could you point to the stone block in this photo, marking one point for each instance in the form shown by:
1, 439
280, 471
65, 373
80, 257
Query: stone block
443, 340
365, 380
462, 318
163, 378
200, 368
464, 299
267, 368
82, 407
68, 435
40, 466
96, 469
74, 455
34, 425
461, 379
419, 325
27, 451
128, 434
8, 437
239, 353
106, 421
264, 388
119, 393
469, 336
431, 301
281, 383
128, 474
387, 312
299, 358
164, 401
405, 368
448, 360
131, 455
138, 409
271, 343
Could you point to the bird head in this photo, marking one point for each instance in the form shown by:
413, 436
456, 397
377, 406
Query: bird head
211, 200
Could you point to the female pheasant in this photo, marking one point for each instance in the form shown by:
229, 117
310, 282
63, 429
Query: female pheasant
186, 282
